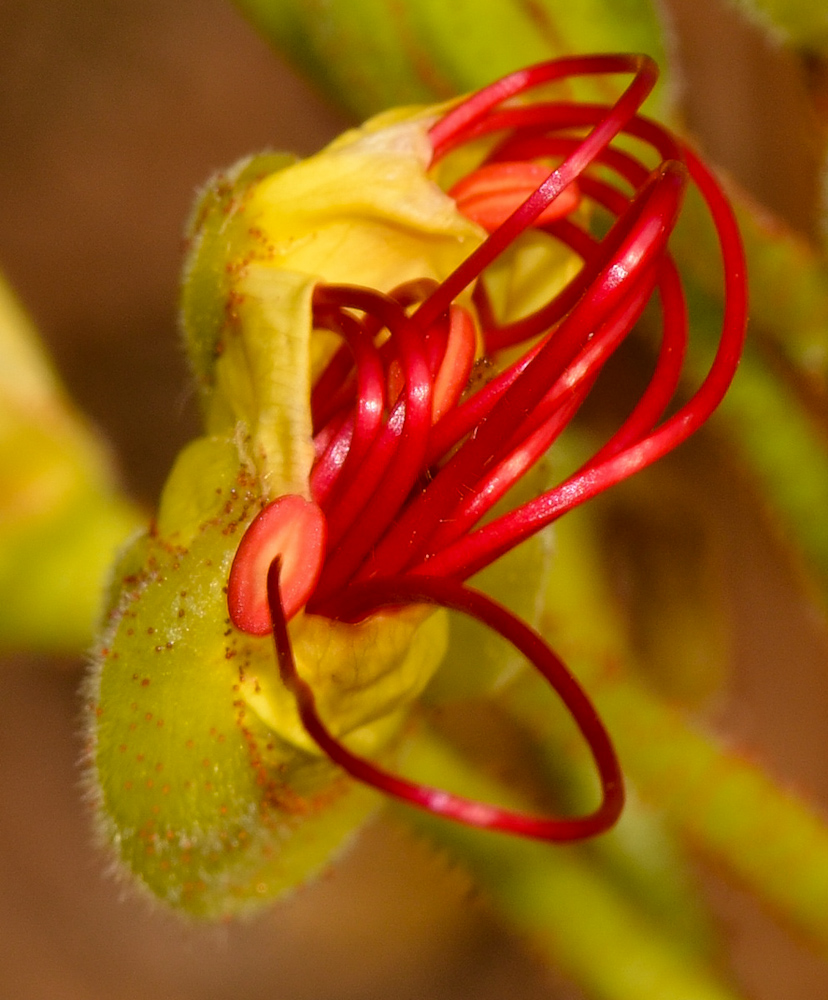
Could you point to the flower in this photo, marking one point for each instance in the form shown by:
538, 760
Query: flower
387, 338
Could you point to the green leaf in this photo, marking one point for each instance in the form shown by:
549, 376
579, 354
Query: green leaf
372, 54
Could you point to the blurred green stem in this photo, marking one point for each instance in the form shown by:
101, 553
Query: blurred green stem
559, 902
62, 516
761, 835
368, 55
778, 440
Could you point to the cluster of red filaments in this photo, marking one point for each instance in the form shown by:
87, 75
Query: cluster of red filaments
413, 453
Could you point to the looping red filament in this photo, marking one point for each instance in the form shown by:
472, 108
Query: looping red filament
377, 594
412, 454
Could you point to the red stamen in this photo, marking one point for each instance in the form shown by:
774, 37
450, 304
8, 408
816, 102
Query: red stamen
406, 466
475, 551
638, 241
446, 593
543, 426
336, 440
454, 129
393, 463
349, 443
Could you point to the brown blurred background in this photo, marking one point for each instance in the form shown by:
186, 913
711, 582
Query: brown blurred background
111, 115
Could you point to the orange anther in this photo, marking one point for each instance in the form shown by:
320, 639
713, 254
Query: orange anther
489, 195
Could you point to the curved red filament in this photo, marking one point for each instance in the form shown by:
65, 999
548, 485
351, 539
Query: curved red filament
420, 429
372, 597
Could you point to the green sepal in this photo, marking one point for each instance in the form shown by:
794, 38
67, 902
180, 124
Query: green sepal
207, 787
216, 235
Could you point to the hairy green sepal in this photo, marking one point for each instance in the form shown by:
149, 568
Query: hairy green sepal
210, 790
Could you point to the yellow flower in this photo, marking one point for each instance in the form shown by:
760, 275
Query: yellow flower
387, 338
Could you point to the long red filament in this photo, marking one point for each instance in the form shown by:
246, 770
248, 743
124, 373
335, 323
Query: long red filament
599, 138
481, 451
477, 550
446, 593
412, 453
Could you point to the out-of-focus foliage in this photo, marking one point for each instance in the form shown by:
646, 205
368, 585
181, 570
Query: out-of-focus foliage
801, 23
377, 53
61, 516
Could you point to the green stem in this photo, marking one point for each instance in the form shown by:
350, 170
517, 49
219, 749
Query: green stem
762, 835
781, 444
561, 903
368, 55
787, 274
61, 514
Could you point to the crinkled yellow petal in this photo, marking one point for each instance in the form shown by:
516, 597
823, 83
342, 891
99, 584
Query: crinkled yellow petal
363, 211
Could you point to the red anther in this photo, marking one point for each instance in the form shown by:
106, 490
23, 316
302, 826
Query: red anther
292, 530
494, 191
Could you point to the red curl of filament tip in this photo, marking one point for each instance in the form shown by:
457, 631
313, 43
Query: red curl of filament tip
371, 597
